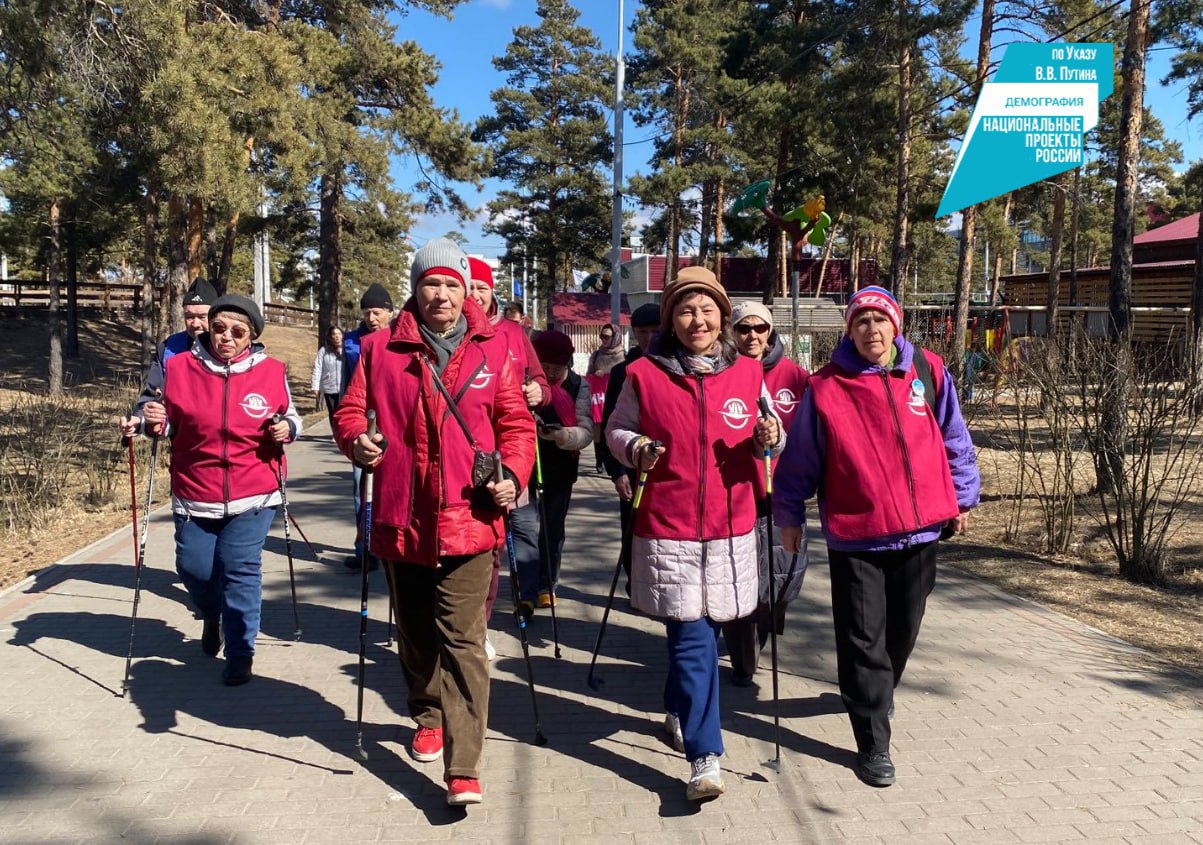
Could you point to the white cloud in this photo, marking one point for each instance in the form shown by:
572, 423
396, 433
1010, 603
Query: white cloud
496, 4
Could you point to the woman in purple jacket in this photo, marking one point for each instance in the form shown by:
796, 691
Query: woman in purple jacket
881, 441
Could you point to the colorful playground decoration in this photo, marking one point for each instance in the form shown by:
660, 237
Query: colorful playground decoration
808, 223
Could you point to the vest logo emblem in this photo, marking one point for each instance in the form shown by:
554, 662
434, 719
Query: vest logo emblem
483, 379
735, 413
917, 403
255, 405
785, 400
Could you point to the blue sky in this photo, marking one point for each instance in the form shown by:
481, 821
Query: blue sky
481, 29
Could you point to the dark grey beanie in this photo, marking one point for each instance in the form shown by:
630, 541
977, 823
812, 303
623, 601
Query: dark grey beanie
243, 305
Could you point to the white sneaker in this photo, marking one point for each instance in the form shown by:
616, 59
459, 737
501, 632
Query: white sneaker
705, 779
672, 727
490, 651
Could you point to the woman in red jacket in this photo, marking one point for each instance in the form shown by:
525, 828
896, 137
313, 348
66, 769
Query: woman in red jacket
218, 401
434, 528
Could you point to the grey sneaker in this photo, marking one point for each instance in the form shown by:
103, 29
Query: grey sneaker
672, 727
705, 779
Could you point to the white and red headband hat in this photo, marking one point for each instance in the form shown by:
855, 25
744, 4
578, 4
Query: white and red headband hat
877, 298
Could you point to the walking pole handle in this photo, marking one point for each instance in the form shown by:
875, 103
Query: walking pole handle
765, 413
498, 472
655, 445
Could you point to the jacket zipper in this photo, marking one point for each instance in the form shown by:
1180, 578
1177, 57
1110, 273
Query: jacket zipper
906, 455
225, 440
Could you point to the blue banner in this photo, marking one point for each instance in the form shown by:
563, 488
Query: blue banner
1029, 121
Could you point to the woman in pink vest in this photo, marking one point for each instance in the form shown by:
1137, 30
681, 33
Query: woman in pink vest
881, 441
217, 407
693, 547
756, 338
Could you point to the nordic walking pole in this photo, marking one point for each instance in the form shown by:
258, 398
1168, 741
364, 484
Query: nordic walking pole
544, 545
363, 585
593, 682
292, 577
140, 551
775, 763
540, 739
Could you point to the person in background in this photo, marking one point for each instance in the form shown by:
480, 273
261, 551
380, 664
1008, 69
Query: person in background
756, 338
513, 312
565, 427
535, 390
217, 405
608, 355
376, 308
199, 296
881, 441
327, 380
693, 549
645, 325
435, 526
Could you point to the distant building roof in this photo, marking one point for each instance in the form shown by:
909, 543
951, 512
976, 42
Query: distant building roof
1186, 229
574, 309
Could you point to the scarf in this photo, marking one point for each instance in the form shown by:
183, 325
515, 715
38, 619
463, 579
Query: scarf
443, 344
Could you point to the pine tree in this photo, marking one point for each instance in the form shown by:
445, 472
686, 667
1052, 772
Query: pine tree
550, 141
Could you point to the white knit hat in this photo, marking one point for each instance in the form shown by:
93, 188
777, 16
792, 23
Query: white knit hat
440, 254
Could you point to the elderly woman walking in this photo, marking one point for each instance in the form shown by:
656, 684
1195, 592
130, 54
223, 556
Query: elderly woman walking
327, 380
218, 403
446, 395
881, 441
694, 546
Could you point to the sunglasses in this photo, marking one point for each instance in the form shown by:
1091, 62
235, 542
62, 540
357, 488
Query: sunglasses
745, 330
237, 331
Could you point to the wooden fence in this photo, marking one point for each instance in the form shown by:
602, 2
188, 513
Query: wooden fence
122, 300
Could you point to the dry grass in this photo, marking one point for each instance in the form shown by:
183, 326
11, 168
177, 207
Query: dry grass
101, 385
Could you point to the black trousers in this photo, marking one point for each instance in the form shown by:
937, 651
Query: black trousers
877, 602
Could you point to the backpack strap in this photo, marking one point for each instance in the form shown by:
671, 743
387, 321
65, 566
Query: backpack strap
923, 370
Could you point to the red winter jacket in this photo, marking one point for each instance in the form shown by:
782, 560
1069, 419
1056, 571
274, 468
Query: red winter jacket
522, 353
703, 485
423, 507
218, 415
886, 466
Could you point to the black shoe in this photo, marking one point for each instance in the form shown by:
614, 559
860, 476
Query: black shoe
875, 768
237, 671
741, 680
355, 563
211, 637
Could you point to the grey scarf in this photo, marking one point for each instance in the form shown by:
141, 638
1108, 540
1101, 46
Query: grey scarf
444, 345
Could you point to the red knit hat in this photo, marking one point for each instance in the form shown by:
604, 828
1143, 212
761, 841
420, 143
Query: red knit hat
554, 347
481, 272
879, 299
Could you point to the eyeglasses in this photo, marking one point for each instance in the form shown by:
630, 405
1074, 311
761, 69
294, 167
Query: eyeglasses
760, 328
237, 331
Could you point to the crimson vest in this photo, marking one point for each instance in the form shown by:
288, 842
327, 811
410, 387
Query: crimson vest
885, 470
702, 488
786, 382
220, 448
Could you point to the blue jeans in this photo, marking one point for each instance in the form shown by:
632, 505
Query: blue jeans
691, 690
524, 523
534, 561
219, 561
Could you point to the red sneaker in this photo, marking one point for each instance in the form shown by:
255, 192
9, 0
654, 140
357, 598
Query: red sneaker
427, 745
461, 791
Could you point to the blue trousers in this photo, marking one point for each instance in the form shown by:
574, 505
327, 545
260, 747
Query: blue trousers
219, 561
691, 691
534, 561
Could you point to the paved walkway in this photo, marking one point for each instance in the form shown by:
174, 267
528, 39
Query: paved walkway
1015, 724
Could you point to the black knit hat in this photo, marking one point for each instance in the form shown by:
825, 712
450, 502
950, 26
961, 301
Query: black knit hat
646, 315
247, 307
200, 293
375, 297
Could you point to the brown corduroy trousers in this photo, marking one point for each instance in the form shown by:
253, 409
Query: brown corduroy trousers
441, 639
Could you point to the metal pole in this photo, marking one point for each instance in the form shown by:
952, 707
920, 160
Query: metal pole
616, 223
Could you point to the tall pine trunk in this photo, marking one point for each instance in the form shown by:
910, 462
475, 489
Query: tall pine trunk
53, 257
1109, 465
150, 269
72, 347
330, 252
171, 313
964, 283
898, 247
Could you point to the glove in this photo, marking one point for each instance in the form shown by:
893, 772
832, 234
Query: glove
561, 437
